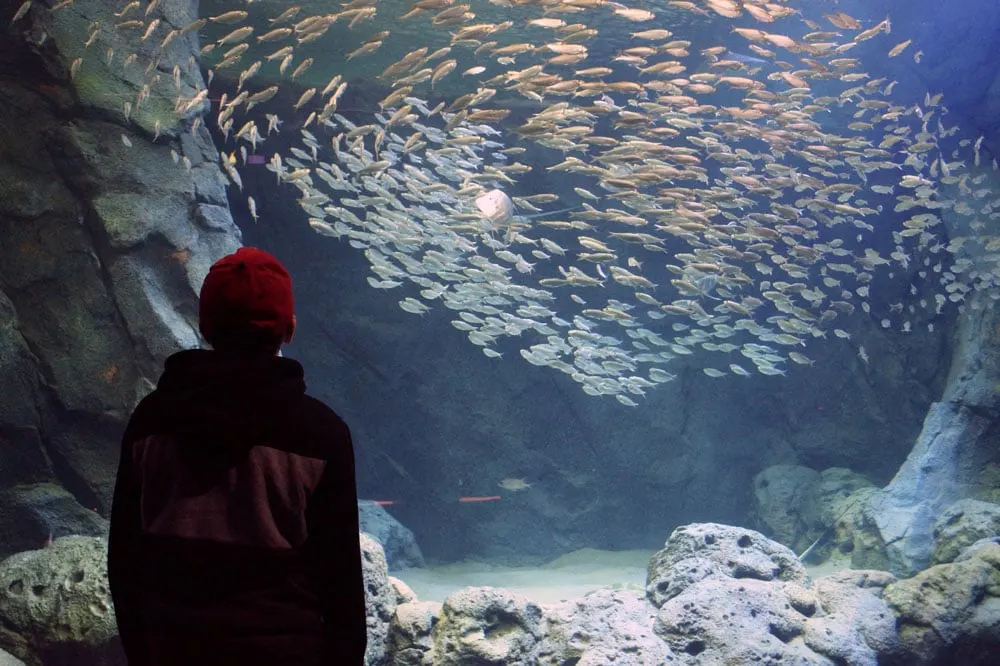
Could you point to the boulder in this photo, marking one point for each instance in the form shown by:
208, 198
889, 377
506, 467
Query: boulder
782, 494
730, 621
404, 593
55, 605
398, 542
380, 598
604, 627
7, 659
856, 626
962, 524
32, 515
487, 626
411, 633
701, 551
950, 613
727, 595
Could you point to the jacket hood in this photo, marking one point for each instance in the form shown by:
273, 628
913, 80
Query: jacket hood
222, 399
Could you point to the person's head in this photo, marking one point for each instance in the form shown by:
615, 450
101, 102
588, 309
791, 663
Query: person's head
246, 304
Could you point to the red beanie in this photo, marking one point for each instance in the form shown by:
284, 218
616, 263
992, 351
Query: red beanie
244, 291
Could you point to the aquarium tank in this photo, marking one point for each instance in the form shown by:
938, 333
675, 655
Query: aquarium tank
666, 330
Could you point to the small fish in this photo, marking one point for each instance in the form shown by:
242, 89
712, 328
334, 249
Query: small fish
302, 68
235, 16
899, 48
22, 10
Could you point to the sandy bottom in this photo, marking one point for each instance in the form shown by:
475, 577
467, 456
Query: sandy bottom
569, 577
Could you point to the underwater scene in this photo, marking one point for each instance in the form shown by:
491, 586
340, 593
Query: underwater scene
666, 331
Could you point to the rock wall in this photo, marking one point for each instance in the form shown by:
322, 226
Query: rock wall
104, 243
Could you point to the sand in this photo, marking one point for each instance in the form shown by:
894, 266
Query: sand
568, 577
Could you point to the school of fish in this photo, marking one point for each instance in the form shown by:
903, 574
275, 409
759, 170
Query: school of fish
716, 203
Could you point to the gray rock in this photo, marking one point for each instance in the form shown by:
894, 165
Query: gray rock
977, 547
728, 621
55, 603
487, 626
930, 479
401, 549
411, 633
856, 626
728, 617
962, 524
7, 659
782, 495
710, 551
604, 627
404, 593
950, 613
380, 598
32, 514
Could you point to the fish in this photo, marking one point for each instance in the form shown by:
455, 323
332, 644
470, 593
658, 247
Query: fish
715, 206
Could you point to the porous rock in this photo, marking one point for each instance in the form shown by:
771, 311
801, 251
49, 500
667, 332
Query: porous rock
404, 593
712, 551
728, 595
950, 613
411, 633
856, 625
380, 599
604, 627
487, 626
962, 524
55, 605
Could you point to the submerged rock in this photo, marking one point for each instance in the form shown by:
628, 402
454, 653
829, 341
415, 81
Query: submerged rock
961, 525
31, 515
487, 625
55, 605
950, 613
604, 627
398, 542
7, 659
380, 599
710, 551
782, 494
730, 595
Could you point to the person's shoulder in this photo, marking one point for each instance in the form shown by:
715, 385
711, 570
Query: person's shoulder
319, 416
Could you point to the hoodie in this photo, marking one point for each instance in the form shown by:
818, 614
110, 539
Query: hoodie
234, 526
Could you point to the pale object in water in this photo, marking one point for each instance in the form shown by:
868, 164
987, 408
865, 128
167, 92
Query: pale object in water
513, 484
495, 206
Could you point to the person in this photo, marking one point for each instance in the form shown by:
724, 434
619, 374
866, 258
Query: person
234, 526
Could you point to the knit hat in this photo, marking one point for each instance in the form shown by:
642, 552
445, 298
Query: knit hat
247, 293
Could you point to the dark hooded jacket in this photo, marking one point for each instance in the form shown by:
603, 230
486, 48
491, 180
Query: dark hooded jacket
234, 529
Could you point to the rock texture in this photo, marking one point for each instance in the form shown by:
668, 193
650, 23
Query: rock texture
56, 609
604, 627
380, 598
962, 524
104, 245
950, 613
31, 515
55, 606
957, 440
729, 595
489, 626
399, 544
